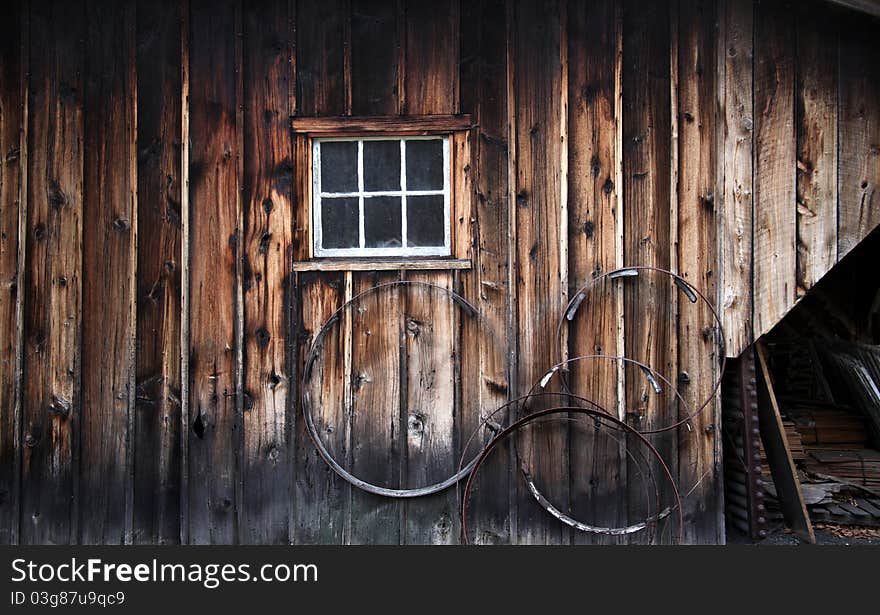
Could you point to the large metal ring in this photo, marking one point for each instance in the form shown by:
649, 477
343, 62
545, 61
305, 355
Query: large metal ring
312, 356
567, 398
568, 410
690, 291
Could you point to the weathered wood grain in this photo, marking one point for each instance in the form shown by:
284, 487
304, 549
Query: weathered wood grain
647, 134
321, 497
431, 58
859, 187
320, 51
377, 69
376, 431
483, 93
375, 57
268, 224
430, 76
593, 217
430, 444
735, 147
109, 260
538, 48
322, 500
215, 247
12, 176
775, 164
53, 292
817, 147
412, 124
157, 428
698, 446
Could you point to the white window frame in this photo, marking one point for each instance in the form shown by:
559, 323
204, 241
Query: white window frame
360, 194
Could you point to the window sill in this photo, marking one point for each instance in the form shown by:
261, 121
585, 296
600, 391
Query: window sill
366, 264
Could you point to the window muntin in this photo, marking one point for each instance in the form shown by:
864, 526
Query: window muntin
381, 196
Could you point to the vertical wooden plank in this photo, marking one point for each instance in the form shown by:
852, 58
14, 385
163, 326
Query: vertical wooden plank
432, 50
321, 498
375, 57
157, 437
376, 348
11, 178
859, 187
775, 164
735, 135
268, 180
817, 45
109, 217
214, 252
593, 117
483, 93
540, 290
431, 87
320, 52
697, 253
375, 367
53, 277
647, 134
431, 452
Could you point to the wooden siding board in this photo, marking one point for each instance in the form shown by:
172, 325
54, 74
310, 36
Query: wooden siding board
215, 244
320, 51
54, 272
109, 253
12, 172
375, 57
431, 88
817, 94
322, 499
859, 187
775, 165
376, 430
540, 291
429, 330
157, 434
594, 159
647, 135
697, 252
735, 147
267, 250
377, 69
483, 92
320, 496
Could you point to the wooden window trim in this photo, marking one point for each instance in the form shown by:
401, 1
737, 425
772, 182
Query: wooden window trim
307, 130
340, 126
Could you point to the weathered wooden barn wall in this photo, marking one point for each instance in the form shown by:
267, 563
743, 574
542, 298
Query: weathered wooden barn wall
153, 329
799, 103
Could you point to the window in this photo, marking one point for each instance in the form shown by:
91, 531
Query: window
382, 193
378, 196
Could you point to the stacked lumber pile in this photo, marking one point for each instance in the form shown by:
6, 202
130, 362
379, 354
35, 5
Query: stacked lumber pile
857, 466
828, 426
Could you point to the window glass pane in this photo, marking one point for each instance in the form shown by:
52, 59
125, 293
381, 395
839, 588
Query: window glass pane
424, 164
339, 223
382, 222
424, 221
339, 170
381, 165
